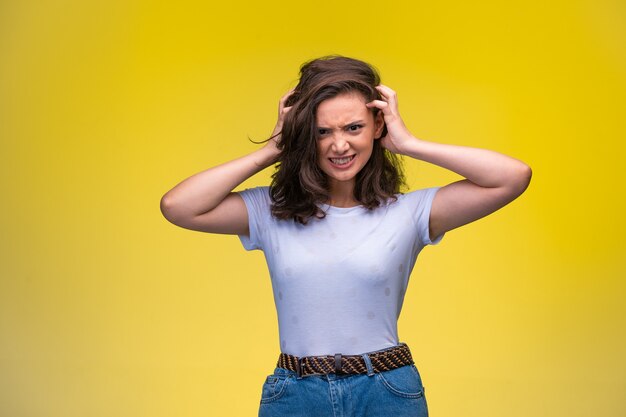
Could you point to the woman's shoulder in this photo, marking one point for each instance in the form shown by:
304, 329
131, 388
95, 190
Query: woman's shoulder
259, 190
257, 197
417, 196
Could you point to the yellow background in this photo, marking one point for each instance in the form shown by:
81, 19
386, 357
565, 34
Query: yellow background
106, 309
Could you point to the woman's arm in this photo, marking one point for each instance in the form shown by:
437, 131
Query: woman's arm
492, 179
206, 202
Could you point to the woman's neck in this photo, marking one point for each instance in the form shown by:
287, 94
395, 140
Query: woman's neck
342, 194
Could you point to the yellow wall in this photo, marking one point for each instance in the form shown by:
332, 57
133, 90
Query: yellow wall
106, 309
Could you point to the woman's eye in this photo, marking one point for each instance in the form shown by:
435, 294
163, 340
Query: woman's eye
322, 132
354, 128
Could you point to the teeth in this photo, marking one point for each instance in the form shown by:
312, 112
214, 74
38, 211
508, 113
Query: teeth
341, 161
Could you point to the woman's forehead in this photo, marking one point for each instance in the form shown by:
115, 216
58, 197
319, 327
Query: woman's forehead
342, 109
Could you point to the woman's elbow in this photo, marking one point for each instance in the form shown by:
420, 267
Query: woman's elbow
521, 179
168, 208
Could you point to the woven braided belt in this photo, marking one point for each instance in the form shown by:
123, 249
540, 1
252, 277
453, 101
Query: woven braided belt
382, 360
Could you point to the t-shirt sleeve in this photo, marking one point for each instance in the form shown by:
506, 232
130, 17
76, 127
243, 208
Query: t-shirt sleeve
257, 202
420, 203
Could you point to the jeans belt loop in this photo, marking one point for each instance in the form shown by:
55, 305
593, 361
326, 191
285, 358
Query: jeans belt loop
337, 363
300, 367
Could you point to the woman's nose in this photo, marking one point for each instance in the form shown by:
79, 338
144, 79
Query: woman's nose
340, 144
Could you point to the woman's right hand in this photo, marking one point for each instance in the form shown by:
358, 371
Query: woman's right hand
282, 112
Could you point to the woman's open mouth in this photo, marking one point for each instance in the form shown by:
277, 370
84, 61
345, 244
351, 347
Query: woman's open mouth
343, 162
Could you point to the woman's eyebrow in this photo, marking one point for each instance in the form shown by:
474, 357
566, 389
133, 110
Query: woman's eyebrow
349, 124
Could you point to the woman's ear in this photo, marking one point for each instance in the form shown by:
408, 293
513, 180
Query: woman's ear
379, 124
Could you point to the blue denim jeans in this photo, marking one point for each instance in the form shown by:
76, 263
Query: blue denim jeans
398, 393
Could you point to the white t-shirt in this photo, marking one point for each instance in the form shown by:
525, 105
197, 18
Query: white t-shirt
339, 282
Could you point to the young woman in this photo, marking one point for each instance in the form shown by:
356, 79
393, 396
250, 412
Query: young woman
339, 237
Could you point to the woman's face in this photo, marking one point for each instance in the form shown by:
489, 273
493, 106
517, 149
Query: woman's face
346, 133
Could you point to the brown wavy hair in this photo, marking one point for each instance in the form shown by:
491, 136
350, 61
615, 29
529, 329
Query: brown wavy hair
298, 184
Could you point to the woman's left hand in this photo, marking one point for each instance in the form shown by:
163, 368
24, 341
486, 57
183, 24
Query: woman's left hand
398, 136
